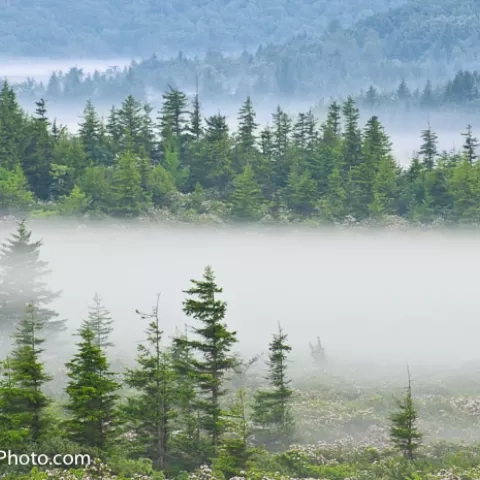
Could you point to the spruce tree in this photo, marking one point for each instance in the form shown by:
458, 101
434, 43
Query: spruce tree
236, 449
470, 146
247, 126
317, 353
271, 407
92, 394
213, 343
100, 322
130, 118
22, 281
194, 127
12, 430
12, 129
128, 197
37, 158
352, 145
89, 131
151, 411
188, 445
404, 434
246, 196
428, 150
15, 194
29, 377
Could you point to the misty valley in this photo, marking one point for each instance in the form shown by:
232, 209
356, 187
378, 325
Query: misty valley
150, 349
239, 239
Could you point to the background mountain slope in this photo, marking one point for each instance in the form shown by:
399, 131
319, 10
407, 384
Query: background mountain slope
140, 27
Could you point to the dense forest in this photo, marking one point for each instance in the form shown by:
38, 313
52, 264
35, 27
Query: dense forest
108, 28
462, 92
136, 163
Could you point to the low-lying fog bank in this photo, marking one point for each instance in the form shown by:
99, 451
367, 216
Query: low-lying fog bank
383, 297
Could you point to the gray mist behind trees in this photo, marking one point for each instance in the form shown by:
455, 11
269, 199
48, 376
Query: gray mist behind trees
385, 298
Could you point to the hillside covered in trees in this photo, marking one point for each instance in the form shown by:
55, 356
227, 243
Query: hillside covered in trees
406, 41
137, 163
122, 28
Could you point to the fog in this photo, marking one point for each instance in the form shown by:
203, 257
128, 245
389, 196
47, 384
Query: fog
19, 69
372, 297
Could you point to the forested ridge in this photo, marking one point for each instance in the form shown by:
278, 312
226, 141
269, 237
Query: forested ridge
405, 41
177, 163
108, 28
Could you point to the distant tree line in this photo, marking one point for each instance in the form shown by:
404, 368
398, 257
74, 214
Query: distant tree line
135, 163
462, 92
286, 49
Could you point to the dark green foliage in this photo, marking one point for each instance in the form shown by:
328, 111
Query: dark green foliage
471, 144
150, 411
213, 342
272, 409
293, 170
23, 402
91, 394
404, 433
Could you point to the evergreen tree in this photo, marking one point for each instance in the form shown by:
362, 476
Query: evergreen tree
247, 126
470, 145
428, 97
187, 443
213, 342
318, 353
334, 204
272, 408
371, 97
128, 197
403, 93
130, 124
38, 154
29, 377
99, 322
22, 281
89, 131
404, 433
352, 145
12, 417
428, 150
13, 129
151, 411
214, 169
15, 194
92, 394
246, 196
236, 449
194, 126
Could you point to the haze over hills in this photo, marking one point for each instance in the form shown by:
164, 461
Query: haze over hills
141, 27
